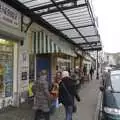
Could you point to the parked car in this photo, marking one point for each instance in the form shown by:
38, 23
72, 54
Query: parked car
110, 100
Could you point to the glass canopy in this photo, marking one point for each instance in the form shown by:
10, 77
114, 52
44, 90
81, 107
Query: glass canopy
72, 18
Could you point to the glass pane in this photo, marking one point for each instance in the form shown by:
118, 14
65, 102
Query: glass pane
79, 40
115, 81
93, 39
88, 31
71, 33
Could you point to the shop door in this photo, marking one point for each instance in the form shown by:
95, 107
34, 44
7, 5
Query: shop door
44, 63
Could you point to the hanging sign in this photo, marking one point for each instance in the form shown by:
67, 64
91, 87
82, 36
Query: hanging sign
9, 15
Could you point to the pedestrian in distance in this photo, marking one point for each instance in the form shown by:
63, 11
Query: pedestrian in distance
67, 93
85, 70
30, 92
91, 73
42, 97
75, 76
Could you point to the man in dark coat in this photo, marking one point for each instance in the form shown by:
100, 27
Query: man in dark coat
91, 73
67, 93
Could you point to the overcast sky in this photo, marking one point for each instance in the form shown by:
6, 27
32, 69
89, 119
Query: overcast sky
108, 12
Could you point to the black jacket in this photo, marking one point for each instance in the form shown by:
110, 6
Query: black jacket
66, 97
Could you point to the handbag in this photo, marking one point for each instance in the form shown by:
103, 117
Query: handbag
74, 106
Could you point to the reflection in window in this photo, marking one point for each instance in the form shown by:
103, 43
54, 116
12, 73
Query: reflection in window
115, 81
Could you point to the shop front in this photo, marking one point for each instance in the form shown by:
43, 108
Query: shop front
6, 71
63, 63
49, 52
10, 37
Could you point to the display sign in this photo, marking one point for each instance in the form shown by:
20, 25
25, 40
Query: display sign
8, 76
9, 15
24, 76
1, 78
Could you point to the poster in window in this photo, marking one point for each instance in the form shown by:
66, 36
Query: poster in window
8, 76
1, 78
24, 76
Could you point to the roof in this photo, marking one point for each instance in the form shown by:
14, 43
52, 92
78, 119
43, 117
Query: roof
71, 19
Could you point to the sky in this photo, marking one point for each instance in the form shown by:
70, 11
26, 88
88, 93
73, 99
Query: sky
108, 13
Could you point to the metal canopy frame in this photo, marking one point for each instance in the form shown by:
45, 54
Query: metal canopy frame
72, 20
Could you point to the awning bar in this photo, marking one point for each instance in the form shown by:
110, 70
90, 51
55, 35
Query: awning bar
29, 1
83, 13
78, 27
93, 49
85, 36
63, 8
89, 43
51, 5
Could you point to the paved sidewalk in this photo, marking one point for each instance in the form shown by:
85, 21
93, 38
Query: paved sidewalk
85, 109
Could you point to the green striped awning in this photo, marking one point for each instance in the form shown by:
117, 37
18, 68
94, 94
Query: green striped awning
42, 44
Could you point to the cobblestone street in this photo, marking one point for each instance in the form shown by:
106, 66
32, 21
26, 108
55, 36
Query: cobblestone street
86, 109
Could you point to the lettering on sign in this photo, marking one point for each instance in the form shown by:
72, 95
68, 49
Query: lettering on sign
9, 15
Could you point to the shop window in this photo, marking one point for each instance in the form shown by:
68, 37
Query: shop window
6, 69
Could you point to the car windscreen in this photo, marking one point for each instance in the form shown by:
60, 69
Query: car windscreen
112, 93
115, 82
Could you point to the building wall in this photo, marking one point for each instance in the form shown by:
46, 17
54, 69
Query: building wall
11, 31
110, 58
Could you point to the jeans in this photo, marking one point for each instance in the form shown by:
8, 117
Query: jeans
40, 114
69, 111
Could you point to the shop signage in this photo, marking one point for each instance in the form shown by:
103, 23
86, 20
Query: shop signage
9, 15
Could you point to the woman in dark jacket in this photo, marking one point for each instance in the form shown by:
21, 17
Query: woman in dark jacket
67, 93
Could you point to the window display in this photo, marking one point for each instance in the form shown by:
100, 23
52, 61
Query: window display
6, 70
63, 64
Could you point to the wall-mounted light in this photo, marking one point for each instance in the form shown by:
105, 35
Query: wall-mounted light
26, 20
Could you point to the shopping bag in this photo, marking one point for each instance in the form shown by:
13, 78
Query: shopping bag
53, 107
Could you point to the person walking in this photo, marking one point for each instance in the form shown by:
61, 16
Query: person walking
67, 93
30, 92
85, 70
42, 97
75, 76
91, 72
55, 89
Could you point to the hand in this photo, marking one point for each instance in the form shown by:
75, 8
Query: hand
77, 98
52, 97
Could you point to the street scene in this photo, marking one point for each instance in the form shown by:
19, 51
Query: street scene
89, 103
59, 60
